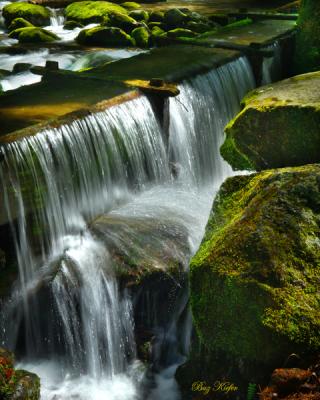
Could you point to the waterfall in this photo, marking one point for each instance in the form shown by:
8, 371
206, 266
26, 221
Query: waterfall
77, 192
57, 17
271, 66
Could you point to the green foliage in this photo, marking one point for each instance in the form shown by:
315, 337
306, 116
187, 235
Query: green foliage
252, 390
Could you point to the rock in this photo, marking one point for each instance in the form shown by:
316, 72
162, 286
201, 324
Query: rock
139, 15
179, 32
19, 23
21, 67
141, 36
33, 35
70, 25
16, 384
36, 15
307, 52
122, 21
131, 5
175, 18
262, 237
156, 32
105, 36
156, 16
278, 127
87, 12
198, 27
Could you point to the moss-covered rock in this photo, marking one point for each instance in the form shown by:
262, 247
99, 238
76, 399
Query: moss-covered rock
141, 36
105, 36
131, 5
278, 127
175, 18
70, 25
87, 12
307, 54
180, 32
19, 23
156, 16
198, 27
139, 15
255, 288
33, 35
16, 384
122, 21
37, 15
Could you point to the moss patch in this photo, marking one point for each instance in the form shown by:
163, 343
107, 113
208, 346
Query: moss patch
33, 35
104, 36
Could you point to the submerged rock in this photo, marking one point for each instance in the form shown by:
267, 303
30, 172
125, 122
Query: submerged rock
87, 12
278, 127
255, 288
37, 15
104, 36
33, 35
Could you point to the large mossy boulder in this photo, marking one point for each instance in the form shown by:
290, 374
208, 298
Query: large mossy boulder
87, 12
307, 53
37, 15
105, 36
255, 288
279, 126
33, 35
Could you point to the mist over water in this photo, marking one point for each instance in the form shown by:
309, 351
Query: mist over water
114, 166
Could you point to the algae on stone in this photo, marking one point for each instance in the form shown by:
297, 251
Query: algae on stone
37, 15
278, 127
141, 36
105, 36
19, 23
255, 289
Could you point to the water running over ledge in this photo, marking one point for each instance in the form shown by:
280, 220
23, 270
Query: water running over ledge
81, 338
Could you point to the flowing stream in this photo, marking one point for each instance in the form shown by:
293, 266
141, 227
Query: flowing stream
76, 193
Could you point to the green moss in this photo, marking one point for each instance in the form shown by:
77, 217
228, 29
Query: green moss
131, 5
19, 23
307, 52
175, 18
104, 36
233, 155
254, 286
156, 16
87, 12
35, 14
70, 25
141, 36
33, 35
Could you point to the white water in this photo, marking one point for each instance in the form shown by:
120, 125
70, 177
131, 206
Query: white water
271, 66
81, 343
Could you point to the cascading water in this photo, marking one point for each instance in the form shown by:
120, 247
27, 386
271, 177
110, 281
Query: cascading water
271, 66
68, 319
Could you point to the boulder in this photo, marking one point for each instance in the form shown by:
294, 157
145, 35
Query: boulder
105, 36
279, 126
33, 35
141, 36
198, 27
139, 15
19, 23
255, 288
87, 12
156, 16
122, 21
16, 384
35, 14
131, 5
174, 18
